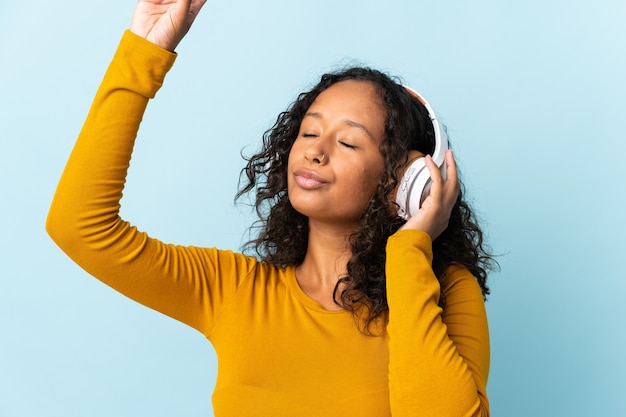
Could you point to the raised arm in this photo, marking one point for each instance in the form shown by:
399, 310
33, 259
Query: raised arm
438, 359
182, 282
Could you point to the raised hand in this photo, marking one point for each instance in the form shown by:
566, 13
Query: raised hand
434, 214
164, 22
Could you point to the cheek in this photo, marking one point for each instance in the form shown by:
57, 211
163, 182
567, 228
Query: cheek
291, 156
293, 149
368, 178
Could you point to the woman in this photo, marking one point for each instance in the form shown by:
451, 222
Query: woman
350, 310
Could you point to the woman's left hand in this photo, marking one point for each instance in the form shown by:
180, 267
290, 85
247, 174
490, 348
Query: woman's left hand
434, 214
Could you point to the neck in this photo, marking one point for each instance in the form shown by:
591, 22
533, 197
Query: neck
325, 262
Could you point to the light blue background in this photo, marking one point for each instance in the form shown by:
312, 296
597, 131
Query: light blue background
534, 98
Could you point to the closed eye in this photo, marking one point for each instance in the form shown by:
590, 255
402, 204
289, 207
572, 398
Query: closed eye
348, 145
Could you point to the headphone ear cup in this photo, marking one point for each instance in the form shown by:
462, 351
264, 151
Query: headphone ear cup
415, 184
411, 188
417, 191
414, 187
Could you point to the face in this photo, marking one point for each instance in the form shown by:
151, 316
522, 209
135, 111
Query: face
335, 163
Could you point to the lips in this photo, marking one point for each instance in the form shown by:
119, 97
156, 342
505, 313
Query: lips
308, 179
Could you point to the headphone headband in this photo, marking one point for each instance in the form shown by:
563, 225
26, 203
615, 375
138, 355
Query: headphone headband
441, 138
415, 183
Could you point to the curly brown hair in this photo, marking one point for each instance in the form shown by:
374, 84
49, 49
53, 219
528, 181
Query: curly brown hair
283, 232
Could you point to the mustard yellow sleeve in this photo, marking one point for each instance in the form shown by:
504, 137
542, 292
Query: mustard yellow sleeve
182, 282
438, 360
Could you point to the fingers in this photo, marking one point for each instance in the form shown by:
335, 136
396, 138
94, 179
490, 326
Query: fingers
195, 7
184, 15
452, 185
165, 22
436, 188
193, 10
444, 191
434, 214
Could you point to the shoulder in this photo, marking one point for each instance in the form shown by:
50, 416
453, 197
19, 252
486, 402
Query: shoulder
242, 265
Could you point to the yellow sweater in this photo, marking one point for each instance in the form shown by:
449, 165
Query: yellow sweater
279, 352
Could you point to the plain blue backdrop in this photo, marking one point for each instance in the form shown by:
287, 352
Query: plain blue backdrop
534, 99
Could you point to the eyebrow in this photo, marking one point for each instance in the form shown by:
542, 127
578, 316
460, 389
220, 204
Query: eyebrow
349, 122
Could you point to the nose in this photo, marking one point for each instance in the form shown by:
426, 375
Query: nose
315, 153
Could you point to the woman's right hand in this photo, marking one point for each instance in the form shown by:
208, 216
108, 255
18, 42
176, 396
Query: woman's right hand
164, 22
434, 214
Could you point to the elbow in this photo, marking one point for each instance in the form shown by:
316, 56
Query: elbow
483, 406
54, 226
59, 227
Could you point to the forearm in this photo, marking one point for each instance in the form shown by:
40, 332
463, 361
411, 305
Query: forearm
87, 197
435, 369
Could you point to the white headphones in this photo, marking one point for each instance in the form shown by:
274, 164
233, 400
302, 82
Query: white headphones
415, 184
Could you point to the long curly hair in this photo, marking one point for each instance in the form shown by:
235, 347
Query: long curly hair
283, 232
